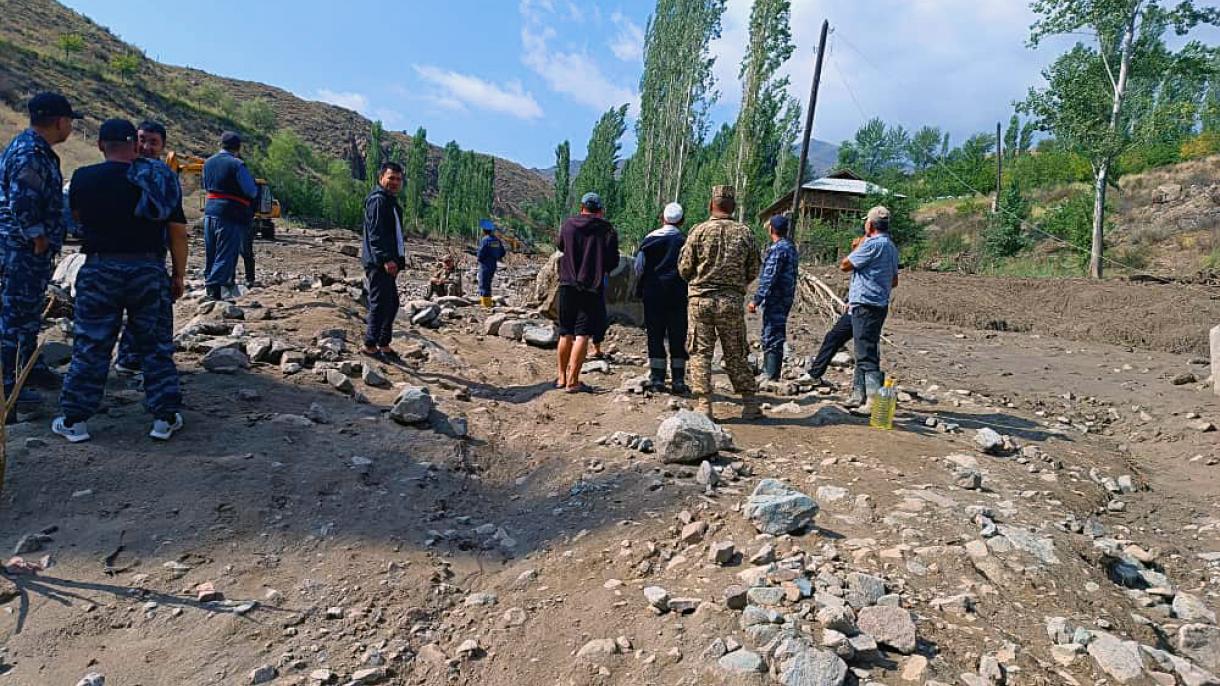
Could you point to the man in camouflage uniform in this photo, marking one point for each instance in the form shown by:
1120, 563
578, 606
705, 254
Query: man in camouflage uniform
32, 230
776, 291
718, 261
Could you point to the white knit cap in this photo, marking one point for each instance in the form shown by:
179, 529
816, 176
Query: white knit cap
673, 213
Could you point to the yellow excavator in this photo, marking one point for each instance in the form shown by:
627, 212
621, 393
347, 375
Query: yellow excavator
266, 207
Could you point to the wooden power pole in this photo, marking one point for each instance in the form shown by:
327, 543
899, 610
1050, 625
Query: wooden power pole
813, 105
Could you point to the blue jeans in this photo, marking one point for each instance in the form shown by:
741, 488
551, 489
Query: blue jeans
223, 242
862, 324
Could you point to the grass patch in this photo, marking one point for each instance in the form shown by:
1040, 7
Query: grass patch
1054, 266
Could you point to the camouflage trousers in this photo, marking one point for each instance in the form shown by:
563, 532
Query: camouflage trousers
775, 326
127, 356
22, 297
106, 289
712, 318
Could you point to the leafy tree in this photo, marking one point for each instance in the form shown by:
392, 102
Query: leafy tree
374, 155
563, 183
259, 116
1126, 34
1005, 233
598, 173
923, 147
125, 65
875, 149
417, 177
445, 204
71, 43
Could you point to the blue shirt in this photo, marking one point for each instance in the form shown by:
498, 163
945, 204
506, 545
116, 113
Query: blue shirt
31, 191
777, 282
491, 250
226, 174
874, 267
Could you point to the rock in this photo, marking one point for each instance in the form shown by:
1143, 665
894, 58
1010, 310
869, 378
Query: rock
722, 553
426, 315
827, 495
1066, 654
339, 381
764, 556
469, 648
958, 604
804, 665
684, 605
693, 533
776, 508
891, 626
735, 597
969, 479
540, 335
688, 437
1041, 547
1189, 608
413, 405
1183, 379
989, 441
599, 647
264, 674
1116, 657
706, 476
512, 329
30, 543
595, 367
914, 668
992, 671
513, 616
657, 597
1200, 643
836, 618
491, 325
870, 587
371, 377
766, 596
372, 675
92, 679
742, 662
225, 361
480, 600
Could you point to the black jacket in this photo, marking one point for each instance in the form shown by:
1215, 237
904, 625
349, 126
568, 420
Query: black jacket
656, 261
382, 219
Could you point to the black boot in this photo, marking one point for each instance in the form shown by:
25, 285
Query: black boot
678, 372
213, 293
656, 376
772, 363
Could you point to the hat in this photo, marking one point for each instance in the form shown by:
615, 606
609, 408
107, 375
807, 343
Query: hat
673, 213
116, 131
779, 223
878, 214
487, 225
52, 105
591, 201
230, 139
724, 193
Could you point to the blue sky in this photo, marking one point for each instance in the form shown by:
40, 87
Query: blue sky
515, 77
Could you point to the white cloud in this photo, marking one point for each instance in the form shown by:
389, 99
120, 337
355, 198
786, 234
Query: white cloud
459, 91
357, 102
574, 73
628, 44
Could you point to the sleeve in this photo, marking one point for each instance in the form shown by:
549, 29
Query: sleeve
246, 180
611, 251
374, 217
28, 186
865, 253
484, 249
501, 250
753, 261
638, 265
686, 259
771, 266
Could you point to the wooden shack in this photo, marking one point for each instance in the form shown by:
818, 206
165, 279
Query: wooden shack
834, 197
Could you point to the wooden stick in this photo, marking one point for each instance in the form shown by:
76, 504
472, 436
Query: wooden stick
7, 407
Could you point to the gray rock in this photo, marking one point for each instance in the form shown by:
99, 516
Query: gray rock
264, 674
92, 679
969, 479
735, 597
491, 325
684, 605
706, 476
1188, 672
339, 381
512, 329
540, 335
840, 619
989, 441
891, 626
742, 662
480, 600
1200, 643
371, 377
427, 315
1041, 547
1189, 608
657, 597
777, 508
992, 671
688, 437
225, 361
599, 647
768, 596
1118, 658
413, 405
869, 586
808, 666
722, 553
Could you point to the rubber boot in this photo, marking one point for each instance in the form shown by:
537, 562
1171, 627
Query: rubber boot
656, 376
703, 405
872, 384
485, 301
751, 408
858, 395
678, 374
213, 294
772, 363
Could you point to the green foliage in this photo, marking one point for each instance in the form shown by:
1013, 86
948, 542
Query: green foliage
447, 188
562, 193
259, 116
125, 65
599, 171
908, 234
343, 196
71, 43
372, 158
414, 206
875, 149
1005, 234
292, 169
1071, 221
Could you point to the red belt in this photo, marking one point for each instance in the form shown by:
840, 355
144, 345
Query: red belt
213, 195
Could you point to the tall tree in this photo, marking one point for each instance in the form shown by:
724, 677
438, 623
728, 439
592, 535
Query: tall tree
448, 178
676, 90
416, 177
1124, 31
563, 182
372, 165
762, 132
599, 171
924, 147
875, 149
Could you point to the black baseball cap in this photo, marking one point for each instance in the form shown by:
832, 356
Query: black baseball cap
116, 131
52, 105
230, 139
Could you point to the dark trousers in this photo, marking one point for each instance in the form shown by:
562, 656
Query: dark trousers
22, 297
247, 253
383, 306
775, 327
862, 324
487, 272
665, 321
105, 291
223, 242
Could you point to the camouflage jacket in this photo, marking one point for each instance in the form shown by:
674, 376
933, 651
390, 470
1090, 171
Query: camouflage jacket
719, 256
777, 284
31, 191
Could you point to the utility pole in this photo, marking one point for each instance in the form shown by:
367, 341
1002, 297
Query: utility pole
813, 104
999, 168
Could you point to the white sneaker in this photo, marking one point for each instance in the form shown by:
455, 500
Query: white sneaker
76, 433
163, 430
125, 371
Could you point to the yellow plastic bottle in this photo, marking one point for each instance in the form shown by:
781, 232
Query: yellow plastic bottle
884, 406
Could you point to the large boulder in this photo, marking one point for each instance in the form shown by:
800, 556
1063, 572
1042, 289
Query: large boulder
621, 303
540, 334
1201, 643
803, 665
776, 508
1120, 659
688, 437
891, 626
413, 405
225, 361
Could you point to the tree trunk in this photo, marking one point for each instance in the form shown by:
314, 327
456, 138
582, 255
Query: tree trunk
1099, 190
1099, 215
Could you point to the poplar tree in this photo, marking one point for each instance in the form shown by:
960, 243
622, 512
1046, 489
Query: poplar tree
372, 158
563, 181
598, 173
416, 177
445, 204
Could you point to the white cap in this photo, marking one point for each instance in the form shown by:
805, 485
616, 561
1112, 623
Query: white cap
673, 213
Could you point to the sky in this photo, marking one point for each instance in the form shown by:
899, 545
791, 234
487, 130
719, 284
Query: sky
515, 77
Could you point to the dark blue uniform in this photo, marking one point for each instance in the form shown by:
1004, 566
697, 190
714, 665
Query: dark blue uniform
227, 216
31, 205
664, 294
124, 274
776, 291
383, 243
491, 251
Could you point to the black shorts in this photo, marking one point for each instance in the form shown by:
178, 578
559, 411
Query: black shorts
581, 312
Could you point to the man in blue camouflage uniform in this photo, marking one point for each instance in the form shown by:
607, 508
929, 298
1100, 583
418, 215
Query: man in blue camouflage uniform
228, 216
32, 230
776, 291
491, 251
123, 206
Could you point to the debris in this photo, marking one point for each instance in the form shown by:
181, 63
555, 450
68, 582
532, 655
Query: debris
777, 508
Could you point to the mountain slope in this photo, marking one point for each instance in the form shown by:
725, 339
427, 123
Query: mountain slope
195, 106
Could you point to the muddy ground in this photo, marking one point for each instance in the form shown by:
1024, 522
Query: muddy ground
343, 541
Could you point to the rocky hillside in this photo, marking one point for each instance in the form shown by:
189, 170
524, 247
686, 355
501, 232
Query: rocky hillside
190, 102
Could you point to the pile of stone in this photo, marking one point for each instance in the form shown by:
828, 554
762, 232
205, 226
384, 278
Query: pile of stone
540, 333
628, 440
1127, 661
